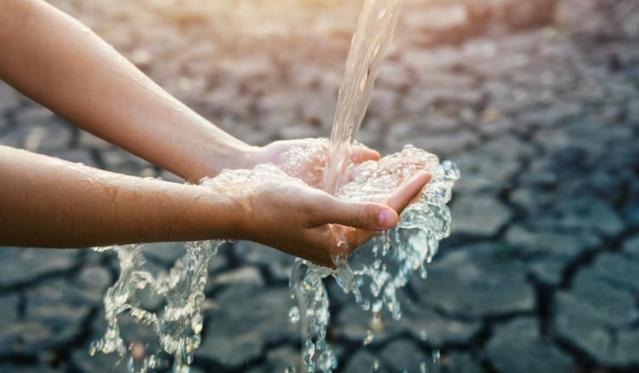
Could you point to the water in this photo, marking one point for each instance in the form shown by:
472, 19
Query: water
177, 324
374, 32
373, 275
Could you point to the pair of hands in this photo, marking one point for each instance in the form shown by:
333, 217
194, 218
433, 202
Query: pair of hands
303, 221
307, 222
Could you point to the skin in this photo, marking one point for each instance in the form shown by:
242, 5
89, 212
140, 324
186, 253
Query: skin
47, 202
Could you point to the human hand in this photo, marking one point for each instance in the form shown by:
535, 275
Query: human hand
310, 223
305, 159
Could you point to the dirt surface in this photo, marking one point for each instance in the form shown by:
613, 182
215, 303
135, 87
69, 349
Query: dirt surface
536, 101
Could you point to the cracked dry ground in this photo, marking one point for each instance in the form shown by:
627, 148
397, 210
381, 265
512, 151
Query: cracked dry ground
541, 272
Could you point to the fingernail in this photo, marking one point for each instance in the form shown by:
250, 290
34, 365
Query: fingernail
385, 219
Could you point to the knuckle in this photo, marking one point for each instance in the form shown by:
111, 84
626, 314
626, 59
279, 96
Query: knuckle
365, 216
360, 216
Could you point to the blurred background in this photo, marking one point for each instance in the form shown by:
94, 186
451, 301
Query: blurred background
536, 101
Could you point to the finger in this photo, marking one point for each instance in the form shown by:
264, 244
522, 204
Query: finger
407, 191
369, 216
361, 153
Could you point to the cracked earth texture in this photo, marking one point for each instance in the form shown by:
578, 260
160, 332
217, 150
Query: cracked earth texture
537, 102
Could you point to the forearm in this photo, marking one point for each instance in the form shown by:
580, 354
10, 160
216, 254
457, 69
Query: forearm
60, 63
47, 202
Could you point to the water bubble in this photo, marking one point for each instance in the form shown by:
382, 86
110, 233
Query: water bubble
436, 357
294, 314
423, 368
377, 306
369, 338
423, 273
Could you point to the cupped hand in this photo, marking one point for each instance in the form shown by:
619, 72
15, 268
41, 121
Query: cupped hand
305, 159
310, 223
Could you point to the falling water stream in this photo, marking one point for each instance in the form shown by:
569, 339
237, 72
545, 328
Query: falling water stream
373, 34
373, 275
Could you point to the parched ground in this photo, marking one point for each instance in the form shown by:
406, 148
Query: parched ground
536, 101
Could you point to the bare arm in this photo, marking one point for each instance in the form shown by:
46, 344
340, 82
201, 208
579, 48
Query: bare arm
52, 203
60, 63
48, 202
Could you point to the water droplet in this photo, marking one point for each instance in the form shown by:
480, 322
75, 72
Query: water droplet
436, 357
294, 315
369, 337
377, 273
423, 335
423, 273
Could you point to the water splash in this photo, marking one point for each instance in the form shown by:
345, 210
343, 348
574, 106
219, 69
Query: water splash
177, 324
374, 274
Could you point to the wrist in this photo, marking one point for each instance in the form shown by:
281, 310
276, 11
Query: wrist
209, 160
215, 214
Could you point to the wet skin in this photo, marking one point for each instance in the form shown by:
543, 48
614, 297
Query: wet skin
46, 202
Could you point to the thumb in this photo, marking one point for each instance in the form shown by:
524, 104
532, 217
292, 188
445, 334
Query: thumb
368, 216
